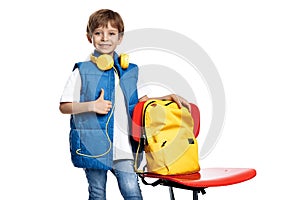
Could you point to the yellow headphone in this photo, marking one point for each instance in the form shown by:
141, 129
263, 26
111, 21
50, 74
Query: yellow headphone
106, 62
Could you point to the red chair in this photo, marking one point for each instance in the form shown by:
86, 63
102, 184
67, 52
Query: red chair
196, 182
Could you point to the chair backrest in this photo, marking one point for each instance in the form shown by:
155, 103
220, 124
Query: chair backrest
196, 117
137, 120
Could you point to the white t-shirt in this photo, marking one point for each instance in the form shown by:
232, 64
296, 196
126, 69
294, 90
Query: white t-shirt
121, 145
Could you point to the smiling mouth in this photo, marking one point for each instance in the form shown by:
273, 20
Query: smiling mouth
104, 45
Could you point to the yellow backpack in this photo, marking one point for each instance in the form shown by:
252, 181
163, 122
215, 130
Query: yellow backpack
170, 145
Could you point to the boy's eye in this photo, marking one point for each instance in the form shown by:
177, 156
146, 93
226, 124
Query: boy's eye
100, 33
97, 33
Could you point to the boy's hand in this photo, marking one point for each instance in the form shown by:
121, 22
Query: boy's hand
100, 105
180, 101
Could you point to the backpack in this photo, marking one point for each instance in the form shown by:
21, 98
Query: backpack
170, 145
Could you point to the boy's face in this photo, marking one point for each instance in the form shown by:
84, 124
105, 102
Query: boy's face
105, 39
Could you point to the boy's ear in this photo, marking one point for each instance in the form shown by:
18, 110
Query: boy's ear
89, 38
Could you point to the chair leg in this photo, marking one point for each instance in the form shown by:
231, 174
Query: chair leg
172, 197
195, 195
196, 192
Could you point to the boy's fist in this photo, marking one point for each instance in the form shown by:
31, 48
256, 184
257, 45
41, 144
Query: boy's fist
100, 105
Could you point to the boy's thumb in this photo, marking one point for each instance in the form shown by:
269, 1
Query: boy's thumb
102, 94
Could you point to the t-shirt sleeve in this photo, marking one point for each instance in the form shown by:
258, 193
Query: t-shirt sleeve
71, 92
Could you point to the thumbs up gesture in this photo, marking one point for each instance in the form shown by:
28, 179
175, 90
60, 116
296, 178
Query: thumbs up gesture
102, 106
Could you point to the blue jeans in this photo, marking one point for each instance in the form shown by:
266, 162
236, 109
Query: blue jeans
126, 177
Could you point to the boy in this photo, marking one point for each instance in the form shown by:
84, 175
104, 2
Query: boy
99, 142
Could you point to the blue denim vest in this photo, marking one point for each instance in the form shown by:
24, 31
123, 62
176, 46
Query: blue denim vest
90, 132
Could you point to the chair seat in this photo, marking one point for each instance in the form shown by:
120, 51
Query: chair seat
207, 177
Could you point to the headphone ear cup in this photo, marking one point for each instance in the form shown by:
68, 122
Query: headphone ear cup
103, 62
124, 60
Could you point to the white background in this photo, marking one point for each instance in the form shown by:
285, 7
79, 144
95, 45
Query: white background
255, 46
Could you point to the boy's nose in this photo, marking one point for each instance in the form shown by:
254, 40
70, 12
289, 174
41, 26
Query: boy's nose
105, 36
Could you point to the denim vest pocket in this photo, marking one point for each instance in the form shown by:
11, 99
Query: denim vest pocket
90, 143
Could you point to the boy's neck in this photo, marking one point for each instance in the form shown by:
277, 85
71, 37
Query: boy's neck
97, 53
